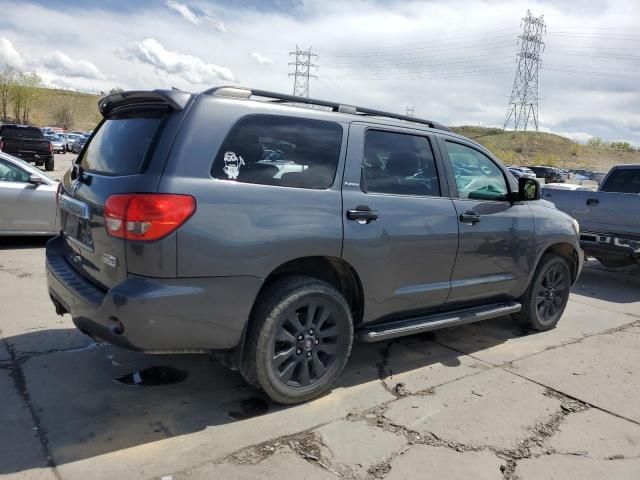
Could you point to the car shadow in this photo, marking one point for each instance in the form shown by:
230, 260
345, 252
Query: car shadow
18, 243
86, 403
612, 285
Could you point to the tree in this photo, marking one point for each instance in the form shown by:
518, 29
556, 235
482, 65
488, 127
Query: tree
7, 79
115, 90
64, 116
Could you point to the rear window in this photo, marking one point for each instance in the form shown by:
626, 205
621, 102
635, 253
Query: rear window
122, 144
21, 132
281, 151
623, 180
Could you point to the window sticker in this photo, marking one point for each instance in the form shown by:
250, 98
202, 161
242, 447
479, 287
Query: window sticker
232, 163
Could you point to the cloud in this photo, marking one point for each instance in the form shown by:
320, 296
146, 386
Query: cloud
189, 67
62, 64
183, 10
261, 59
9, 55
195, 16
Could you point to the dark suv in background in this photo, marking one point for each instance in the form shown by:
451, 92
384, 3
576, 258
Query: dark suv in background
273, 235
550, 174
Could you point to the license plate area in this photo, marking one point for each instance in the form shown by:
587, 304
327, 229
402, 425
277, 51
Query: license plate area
75, 221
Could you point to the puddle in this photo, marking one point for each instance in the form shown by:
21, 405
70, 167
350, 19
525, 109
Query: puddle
153, 376
250, 407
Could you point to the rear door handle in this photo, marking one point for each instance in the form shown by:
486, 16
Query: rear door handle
592, 202
362, 214
470, 217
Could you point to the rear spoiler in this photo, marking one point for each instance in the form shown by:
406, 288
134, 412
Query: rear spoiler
173, 99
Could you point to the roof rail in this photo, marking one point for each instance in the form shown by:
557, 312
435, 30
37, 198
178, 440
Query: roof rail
241, 92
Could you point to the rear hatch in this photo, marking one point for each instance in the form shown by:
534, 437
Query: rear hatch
125, 154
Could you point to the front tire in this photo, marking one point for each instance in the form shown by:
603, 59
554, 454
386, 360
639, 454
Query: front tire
546, 298
299, 339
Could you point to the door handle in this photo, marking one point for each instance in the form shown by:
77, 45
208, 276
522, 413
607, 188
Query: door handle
362, 214
592, 202
470, 217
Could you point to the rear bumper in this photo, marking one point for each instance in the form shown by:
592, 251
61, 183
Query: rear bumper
611, 246
155, 315
34, 157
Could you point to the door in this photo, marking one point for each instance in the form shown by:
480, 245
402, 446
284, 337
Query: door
24, 207
400, 227
496, 251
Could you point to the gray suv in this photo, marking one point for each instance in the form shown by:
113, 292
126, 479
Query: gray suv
239, 223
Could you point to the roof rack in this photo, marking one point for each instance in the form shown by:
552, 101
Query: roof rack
240, 92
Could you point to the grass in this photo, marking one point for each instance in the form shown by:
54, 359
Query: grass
537, 148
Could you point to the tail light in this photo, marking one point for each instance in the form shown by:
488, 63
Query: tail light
146, 216
50, 147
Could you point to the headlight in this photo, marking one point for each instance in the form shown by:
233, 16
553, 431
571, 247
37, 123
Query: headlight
576, 226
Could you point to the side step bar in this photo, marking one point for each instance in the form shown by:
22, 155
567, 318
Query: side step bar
400, 328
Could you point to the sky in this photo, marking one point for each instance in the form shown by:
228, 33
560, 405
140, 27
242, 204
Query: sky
453, 61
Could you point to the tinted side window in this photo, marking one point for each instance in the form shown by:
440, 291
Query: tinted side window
11, 173
398, 163
623, 181
121, 144
282, 151
477, 177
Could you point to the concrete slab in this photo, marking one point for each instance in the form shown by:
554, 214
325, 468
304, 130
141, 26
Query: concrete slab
421, 364
597, 434
21, 453
502, 340
99, 426
29, 322
359, 445
281, 465
424, 461
561, 467
601, 370
492, 408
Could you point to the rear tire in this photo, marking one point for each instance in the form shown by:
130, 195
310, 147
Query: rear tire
49, 165
299, 339
546, 298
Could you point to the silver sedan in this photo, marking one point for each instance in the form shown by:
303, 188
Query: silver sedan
27, 199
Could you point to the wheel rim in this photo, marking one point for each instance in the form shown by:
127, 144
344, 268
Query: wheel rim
551, 295
306, 344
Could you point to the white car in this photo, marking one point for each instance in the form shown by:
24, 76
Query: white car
27, 199
568, 186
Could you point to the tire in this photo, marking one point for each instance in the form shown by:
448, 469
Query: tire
291, 355
546, 298
49, 165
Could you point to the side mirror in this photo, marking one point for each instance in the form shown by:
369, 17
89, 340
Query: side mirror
528, 189
35, 180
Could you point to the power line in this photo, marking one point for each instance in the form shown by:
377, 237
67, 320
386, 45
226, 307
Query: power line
523, 103
303, 63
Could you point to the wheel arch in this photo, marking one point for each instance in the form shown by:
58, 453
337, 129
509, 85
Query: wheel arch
565, 250
332, 270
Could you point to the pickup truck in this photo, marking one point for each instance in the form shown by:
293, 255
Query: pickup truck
27, 143
609, 218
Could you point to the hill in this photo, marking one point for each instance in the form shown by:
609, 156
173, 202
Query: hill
48, 104
537, 148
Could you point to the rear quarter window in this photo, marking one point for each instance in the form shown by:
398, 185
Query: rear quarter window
21, 132
281, 151
122, 144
